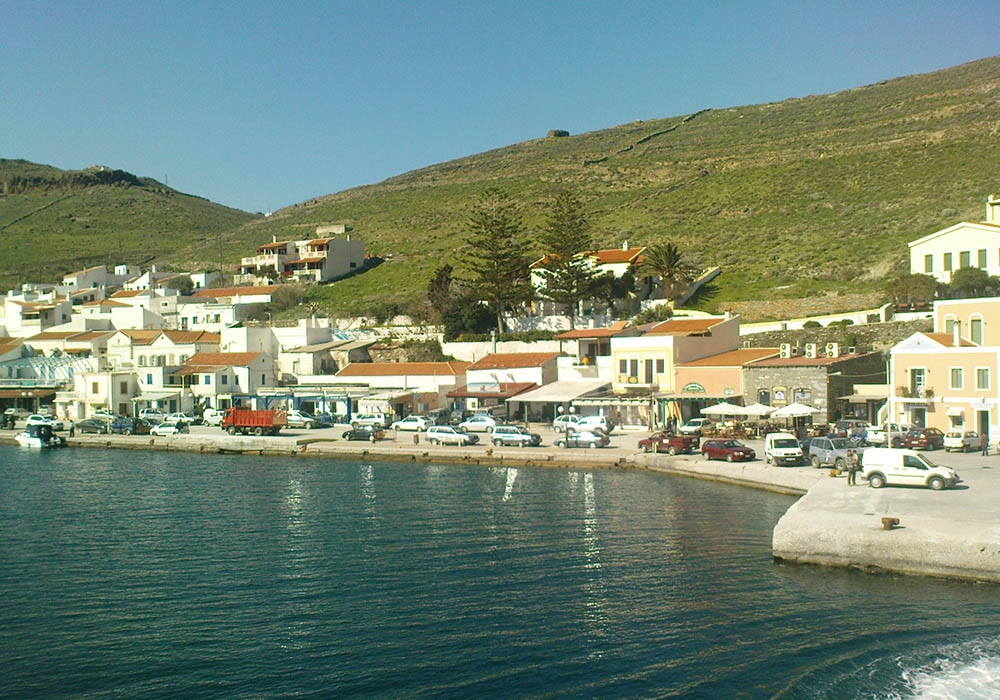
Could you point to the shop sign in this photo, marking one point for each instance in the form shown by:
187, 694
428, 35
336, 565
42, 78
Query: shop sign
694, 388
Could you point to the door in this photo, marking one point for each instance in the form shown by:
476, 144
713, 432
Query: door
983, 422
918, 416
648, 372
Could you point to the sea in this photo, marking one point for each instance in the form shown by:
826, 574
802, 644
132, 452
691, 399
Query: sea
159, 574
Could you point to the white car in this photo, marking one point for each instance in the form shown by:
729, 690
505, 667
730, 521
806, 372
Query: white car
783, 448
152, 413
376, 419
212, 417
165, 429
888, 435
564, 421
480, 423
446, 435
887, 465
574, 422
38, 419
963, 441
179, 418
412, 423
300, 419
694, 426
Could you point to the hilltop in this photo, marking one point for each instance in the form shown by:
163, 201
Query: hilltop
55, 221
791, 198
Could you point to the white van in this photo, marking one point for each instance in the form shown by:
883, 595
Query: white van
782, 448
886, 465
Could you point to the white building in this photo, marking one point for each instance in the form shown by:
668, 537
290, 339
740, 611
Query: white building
313, 260
963, 245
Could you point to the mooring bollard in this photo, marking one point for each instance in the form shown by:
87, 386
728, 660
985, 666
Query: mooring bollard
889, 523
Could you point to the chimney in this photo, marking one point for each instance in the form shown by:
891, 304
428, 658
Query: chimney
993, 209
624, 245
274, 238
955, 329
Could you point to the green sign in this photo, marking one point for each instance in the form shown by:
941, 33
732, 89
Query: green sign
694, 388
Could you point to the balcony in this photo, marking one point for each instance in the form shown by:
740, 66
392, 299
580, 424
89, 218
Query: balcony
905, 392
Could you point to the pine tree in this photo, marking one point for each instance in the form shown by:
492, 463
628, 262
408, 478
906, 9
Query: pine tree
497, 265
567, 272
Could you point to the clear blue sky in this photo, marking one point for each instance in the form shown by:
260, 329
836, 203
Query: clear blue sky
260, 105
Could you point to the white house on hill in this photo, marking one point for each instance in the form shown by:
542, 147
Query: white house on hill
963, 245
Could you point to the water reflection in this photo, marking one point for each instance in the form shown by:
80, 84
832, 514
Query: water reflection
509, 487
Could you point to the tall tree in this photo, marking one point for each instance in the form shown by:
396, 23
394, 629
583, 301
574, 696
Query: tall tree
439, 288
567, 272
497, 264
665, 260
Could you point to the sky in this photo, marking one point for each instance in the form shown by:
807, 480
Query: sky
260, 105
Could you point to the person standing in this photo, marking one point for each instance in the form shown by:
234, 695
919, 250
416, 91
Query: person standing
852, 467
985, 439
72, 428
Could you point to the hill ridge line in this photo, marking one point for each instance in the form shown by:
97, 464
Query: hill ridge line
649, 137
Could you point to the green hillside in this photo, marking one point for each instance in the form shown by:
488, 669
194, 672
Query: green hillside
790, 198
55, 221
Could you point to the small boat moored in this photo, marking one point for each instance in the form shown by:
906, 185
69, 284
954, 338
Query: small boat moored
39, 436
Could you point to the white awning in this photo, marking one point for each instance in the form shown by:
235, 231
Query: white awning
145, 398
955, 411
560, 392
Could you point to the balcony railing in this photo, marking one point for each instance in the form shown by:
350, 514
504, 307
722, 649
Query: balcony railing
905, 392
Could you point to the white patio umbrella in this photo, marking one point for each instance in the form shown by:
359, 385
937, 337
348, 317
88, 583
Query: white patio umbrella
794, 410
724, 409
758, 409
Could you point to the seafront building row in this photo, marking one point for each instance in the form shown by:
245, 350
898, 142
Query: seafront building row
123, 340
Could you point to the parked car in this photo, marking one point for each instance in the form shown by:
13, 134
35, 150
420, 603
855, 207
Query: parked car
515, 435
131, 426
694, 426
924, 439
849, 427
885, 465
93, 425
888, 434
368, 433
458, 415
478, 423
964, 441
729, 450
103, 413
831, 451
562, 422
152, 413
299, 419
411, 423
583, 438
179, 418
166, 428
18, 413
376, 419
783, 448
671, 444
212, 417
39, 419
449, 435
575, 422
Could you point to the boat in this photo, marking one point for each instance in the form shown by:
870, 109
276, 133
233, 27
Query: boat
39, 436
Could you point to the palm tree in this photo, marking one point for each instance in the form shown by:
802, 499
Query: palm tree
665, 260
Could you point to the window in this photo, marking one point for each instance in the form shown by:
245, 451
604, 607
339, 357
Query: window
149, 378
983, 378
949, 325
633, 368
95, 388
802, 396
225, 379
957, 378
982, 258
976, 330
947, 262
917, 378
660, 365
965, 258
263, 379
208, 379
928, 263
622, 366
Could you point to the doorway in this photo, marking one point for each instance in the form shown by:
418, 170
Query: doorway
983, 422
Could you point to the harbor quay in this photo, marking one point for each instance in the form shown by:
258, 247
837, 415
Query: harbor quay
952, 533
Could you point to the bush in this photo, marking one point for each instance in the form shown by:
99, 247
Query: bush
812, 324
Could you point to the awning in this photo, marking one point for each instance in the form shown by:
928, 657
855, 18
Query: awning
26, 393
144, 398
955, 411
503, 390
559, 392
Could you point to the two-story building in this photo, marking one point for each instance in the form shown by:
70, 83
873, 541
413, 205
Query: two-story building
312, 260
965, 244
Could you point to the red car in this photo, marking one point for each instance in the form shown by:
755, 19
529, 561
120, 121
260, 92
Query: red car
729, 450
924, 439
671, 444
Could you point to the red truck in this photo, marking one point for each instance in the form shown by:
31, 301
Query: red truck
248, 420
671, 444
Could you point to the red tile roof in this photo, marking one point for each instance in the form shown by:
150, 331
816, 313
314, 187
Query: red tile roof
216, 292
511, 360
8, 344
608, 256
733, 358
214, 360
53, 335
684, 326
92, 335
104, 302
398, 369
612, 330
124, 293
948, 340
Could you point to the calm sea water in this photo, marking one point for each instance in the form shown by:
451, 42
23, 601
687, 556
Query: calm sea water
157, 574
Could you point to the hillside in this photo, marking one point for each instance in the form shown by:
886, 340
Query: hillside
790, 198
55, 221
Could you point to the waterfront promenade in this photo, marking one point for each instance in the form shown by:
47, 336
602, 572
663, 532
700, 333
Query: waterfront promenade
953, 533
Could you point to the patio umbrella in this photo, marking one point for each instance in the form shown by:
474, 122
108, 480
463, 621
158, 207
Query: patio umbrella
794, 410
758, 409
724, 409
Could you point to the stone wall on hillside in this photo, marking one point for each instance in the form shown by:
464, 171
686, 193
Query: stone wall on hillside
819, 305
873, 337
